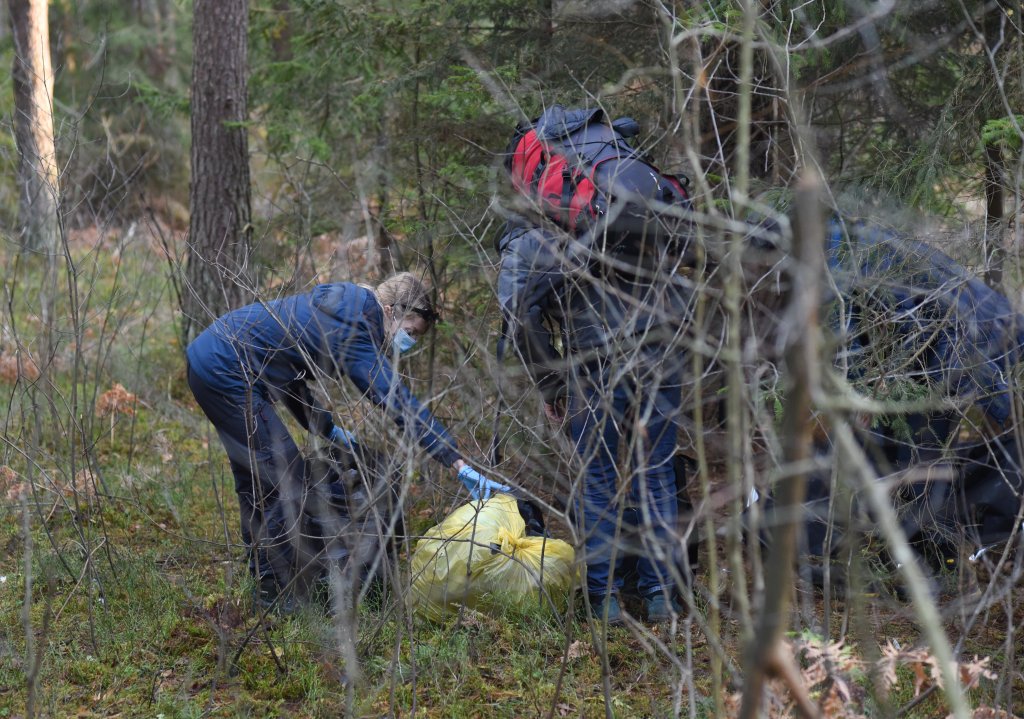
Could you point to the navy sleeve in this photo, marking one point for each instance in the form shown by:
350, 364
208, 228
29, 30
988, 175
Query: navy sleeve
530, 277
373, 374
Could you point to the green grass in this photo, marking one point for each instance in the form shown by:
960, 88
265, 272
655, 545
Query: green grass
140, 601
151, 624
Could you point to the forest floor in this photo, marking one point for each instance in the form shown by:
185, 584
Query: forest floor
123, 591
164, 627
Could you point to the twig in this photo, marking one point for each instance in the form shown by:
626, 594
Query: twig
923, 605
765, 648
909, 706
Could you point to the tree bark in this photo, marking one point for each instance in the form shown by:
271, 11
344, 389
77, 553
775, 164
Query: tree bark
32, 77
992, 32
220, 229
994, 215
801, 356
281, 40
159, 55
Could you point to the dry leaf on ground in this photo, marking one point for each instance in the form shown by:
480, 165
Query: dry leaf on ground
116, 400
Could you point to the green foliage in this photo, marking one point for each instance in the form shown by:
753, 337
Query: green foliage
378, 108
911, 131
164, 103
461, 98
370, 102
1005, 131
121, 106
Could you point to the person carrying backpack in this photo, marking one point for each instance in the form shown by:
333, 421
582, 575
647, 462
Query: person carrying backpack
251, 359
587, 264
617, 383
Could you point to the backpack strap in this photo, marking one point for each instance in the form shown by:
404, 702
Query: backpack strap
538, 172
569, 185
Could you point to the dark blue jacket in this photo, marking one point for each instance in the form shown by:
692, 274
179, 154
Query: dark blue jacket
599, 308
965, 335
275, 348
530, 285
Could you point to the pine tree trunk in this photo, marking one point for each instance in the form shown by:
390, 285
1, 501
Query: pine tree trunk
995, 251
220, 229
33, 126
281, 40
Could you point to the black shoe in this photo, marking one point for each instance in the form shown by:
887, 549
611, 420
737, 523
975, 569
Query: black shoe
662, 606
268, 597
606, 608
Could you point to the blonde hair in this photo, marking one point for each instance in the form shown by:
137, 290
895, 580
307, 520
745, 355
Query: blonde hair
406, 291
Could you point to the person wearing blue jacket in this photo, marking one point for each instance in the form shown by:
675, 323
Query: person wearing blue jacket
617, 385
965, 336
254, 358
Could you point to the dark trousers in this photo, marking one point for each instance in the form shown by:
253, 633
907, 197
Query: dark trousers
642, 408
269, 471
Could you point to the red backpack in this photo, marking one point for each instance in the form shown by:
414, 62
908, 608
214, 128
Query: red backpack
578, 169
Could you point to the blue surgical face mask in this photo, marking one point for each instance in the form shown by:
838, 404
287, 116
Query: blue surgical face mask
402, 341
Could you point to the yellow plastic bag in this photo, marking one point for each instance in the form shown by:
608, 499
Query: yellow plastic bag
480, 556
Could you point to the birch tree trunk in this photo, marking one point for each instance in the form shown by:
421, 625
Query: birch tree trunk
32, 77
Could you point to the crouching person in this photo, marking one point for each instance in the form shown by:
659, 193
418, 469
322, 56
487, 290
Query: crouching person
252, 359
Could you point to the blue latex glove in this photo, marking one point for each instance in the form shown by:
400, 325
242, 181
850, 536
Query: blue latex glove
478, 485
342, 438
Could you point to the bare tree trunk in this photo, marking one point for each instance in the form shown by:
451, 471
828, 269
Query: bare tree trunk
545, 35
220, 228
385, 260
281, 40
159, 54
797, 440
991, 30
168, 50
994, 215
736, 405
33, 126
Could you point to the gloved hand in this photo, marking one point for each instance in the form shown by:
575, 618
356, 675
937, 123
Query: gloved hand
342, 438
478, 485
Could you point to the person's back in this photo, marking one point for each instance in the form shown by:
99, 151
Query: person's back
618, 377
622, 302
276, 343
617, 308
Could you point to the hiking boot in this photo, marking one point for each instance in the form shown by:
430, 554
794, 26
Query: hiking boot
606, 608
662, 606
268, 597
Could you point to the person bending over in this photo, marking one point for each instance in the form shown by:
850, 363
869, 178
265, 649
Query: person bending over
254, 358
